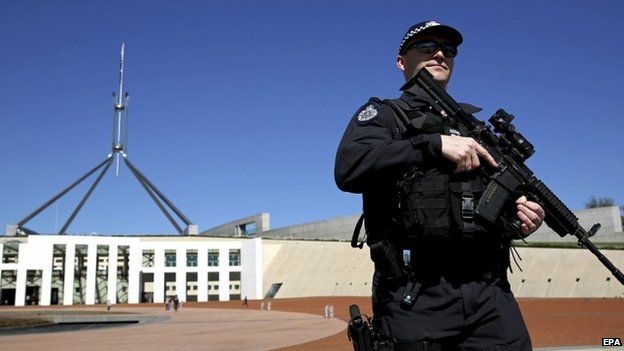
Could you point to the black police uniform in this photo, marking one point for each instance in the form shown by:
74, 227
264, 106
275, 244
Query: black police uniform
452, 293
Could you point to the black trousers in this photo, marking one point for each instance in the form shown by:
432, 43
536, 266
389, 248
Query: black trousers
471, 315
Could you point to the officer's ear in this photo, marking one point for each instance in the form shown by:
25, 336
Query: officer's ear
401, 64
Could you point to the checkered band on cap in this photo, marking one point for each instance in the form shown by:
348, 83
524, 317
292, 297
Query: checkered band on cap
430, 26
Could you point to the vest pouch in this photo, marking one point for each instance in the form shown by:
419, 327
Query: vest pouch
424, 206
386, 260
462, 204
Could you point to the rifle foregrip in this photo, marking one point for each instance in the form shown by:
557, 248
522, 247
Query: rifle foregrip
558, 215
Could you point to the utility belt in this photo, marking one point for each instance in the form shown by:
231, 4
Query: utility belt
456, 267
455, 261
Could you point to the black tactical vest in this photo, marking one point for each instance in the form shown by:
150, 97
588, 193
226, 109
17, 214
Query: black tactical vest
432, 202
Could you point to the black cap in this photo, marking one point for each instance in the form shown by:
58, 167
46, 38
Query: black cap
431, 27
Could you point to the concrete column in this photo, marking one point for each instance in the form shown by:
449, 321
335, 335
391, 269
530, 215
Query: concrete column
112, 274
68, 282
202, 274
134, 273
20, 285
251, 268
181, 274
46, 277
264, 223
20, 282
159, 275
91, 270
224, 274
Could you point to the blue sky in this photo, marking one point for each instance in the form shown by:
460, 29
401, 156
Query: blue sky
237, 107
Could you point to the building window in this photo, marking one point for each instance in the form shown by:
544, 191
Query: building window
170, 258
148, 258
147, 287
191, 258
80, 274
58, 262
101, 276
170, 284
10, 252
102, 257
191, 286
123, 275
58, 274
234, 257
8, 282
213, 258
123, 261
213, 286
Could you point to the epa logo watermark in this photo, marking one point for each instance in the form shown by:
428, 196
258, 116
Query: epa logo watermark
611, 342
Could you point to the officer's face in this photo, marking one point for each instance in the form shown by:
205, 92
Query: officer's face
437, 63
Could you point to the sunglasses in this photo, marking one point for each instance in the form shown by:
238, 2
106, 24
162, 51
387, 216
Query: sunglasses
430, 46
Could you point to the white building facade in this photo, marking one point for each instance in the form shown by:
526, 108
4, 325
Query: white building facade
68, 270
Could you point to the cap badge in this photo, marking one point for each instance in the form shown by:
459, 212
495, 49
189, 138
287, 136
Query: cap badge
417, 30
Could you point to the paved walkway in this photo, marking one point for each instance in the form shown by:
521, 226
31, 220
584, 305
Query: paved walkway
189, 329
226, 326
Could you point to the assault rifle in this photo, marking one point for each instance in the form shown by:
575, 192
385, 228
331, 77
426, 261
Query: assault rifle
512, 177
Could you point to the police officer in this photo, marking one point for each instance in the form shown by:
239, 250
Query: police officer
440, 279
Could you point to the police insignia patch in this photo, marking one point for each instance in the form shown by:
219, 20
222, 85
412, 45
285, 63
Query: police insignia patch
368, 113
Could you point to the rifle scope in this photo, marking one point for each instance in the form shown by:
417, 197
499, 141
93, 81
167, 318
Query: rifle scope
501, 121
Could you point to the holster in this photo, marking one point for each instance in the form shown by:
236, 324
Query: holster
364, 336
386, 260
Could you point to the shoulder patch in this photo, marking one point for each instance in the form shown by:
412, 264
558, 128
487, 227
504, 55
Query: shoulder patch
369, 112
